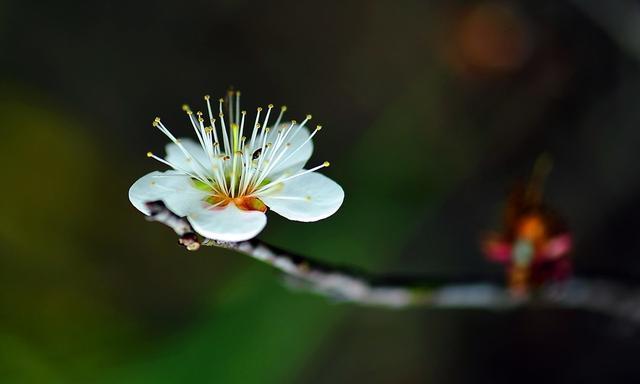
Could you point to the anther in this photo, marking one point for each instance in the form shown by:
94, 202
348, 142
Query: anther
149, 154
318, 127
207, 97
309, 117
259, 109
270, 106
283, 108
326, 163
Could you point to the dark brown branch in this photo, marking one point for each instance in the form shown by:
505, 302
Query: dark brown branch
349, 285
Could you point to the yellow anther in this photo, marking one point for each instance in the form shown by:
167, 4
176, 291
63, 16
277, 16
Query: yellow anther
326, 163
149, 154
283, 108
270, 106
259, 109
237, 93
186, 108
243, 113
258, 125
294, 122
200, 119
208, 129
221, 115
220, 100
199, 113
318, 127
207, 97
309, 117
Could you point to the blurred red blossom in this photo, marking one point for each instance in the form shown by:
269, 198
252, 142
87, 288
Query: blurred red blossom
535, 242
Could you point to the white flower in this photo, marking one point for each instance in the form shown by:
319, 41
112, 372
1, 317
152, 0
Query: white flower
224, 183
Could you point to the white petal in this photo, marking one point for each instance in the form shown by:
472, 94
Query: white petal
177, 157
228, 223
309, 197
301, 156
174, 188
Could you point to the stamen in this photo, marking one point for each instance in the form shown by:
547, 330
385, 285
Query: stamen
281, 180
211, 119
318, 128
256, 126
237, 107
230, 102
244, 114
283, 109
266, 121
225, 137
273, 164
252, 160
163, 161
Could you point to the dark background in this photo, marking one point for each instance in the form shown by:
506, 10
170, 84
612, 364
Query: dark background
431, 110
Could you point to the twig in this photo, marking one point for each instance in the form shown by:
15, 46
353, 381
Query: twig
343, 284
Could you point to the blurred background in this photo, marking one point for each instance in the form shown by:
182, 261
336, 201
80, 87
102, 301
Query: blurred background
431, 111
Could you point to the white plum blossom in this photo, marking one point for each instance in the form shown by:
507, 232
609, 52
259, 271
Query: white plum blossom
224, 182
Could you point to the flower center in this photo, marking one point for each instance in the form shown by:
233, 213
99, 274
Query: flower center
245, 203
215, 200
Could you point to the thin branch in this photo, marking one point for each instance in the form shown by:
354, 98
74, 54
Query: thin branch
344, 284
